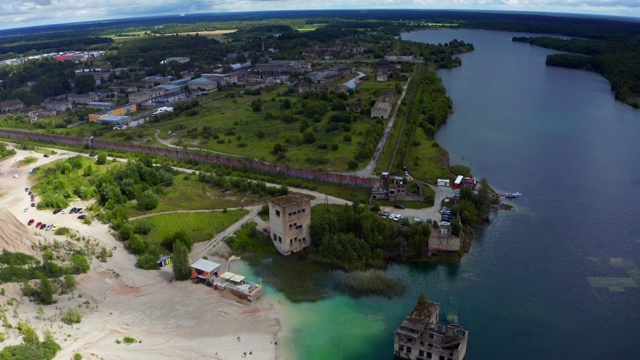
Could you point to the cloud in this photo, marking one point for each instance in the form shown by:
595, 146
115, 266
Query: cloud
18, 13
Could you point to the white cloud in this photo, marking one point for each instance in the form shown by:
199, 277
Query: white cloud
18, 13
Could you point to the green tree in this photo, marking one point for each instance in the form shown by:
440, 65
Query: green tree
181, 268
46, 290
137, 245
85, 83
147, 200
102, 159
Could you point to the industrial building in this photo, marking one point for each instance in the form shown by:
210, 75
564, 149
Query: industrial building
290, 223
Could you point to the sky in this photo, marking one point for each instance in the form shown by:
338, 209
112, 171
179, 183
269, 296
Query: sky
23, 13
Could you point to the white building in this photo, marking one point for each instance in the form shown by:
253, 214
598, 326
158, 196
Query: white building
290, 223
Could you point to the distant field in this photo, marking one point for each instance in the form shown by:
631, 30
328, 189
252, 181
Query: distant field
210, 33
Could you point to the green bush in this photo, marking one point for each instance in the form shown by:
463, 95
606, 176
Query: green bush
128, 340
147, 262
71, 317
79, 264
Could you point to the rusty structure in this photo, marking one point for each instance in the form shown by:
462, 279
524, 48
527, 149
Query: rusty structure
245, 164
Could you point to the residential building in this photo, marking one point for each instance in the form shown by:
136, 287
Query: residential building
203, 84
397, 189
144, 95
170, 97
355, 106
421, 337
11, 105
223, 79
124, 89
60, 106
81, 98
290, 223
104, 105
151, 81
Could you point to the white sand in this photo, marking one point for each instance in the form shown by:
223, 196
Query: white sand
180, 320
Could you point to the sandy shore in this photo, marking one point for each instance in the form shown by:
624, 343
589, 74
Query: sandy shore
178, 320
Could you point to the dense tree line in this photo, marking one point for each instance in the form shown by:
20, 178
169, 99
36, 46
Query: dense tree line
149, 52
617, 59
55, 45
52, 78
355, 238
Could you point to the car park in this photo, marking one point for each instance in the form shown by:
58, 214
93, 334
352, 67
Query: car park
43, 226
31, 222
38, 224
82, 217
398, 206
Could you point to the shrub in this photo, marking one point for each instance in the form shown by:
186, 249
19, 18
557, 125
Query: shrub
72, 317
68, 284
346, 138
143, 227
147, 262
136, 245
128, 340
334, 147
79, 264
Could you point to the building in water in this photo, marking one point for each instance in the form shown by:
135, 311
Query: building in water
421, 337
290, 223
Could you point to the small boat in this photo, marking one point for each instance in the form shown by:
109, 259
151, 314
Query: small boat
512, 195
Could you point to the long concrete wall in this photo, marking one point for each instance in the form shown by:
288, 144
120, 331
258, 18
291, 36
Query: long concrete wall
239, 163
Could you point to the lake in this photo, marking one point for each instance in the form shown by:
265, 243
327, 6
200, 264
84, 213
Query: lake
555, 278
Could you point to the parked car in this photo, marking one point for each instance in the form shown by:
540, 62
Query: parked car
82, 217
79, 211
48, 227
398, 206
64, 211
56, 211
33, 204
73, 210
265, 229
26, 209
38, 224
444, 223
93, 154
46, 155
31, 222
26, 189
55, 227
43, 226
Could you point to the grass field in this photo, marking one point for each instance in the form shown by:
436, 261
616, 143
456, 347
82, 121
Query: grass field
200, 226
192, 194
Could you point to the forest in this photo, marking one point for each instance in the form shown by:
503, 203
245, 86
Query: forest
617, 59
354, 238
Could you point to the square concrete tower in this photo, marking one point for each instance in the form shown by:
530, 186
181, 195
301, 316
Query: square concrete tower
290, 223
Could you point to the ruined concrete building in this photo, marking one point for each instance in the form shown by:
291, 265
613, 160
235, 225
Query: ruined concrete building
421, 337
290, 223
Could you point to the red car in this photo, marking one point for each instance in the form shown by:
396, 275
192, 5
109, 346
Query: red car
38, 224
30, 222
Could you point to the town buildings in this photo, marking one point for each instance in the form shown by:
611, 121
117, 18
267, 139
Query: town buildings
421, 337
12, 105
290, 223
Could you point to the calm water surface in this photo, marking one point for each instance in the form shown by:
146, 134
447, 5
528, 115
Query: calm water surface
557, 278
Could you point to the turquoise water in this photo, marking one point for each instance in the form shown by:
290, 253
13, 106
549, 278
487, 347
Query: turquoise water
558, 277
